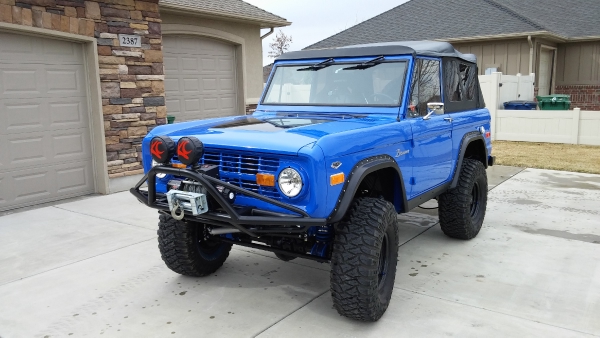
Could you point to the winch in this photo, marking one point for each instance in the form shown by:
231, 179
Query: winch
180, 201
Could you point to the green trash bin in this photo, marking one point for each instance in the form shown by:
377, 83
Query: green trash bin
554, 102
170, 119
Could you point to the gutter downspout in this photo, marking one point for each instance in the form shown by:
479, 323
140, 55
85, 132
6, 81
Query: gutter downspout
530, 54
268, 33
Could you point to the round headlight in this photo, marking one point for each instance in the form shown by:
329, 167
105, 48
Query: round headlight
189, 150
290, 182
162, 148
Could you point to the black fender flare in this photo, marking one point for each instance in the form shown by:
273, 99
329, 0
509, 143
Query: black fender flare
467, 139
356, 176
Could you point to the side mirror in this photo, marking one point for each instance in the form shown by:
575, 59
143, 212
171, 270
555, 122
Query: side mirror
436, 107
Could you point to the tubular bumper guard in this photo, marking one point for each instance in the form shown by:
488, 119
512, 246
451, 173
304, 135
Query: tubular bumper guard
252, 224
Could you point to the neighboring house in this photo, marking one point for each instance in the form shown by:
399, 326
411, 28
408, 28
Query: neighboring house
558, 40
266, 72
75, 103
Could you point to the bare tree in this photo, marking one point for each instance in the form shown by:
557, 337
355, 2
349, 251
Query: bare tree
280, 44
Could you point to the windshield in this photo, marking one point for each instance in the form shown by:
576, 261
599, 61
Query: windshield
348, 84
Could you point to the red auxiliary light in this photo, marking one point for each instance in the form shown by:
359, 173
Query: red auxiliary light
162, 149
189, 150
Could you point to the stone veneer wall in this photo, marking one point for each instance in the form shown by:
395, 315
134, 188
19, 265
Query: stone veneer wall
132, 79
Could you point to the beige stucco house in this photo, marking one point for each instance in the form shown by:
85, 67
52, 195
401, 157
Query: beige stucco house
558, 40
82, 82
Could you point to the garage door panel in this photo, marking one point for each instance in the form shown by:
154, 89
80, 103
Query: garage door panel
68, 115
192, 86
226, 84
170, 63
190, 64
26, 49
192, 106
199, 72
19, 82
209, 65
65, 82
36, 114
21, 45
225, 65
45, 144
173, 105
172, 86
70, 146
73, 179
228, 103
33, 186
40, 81
27, 149
209, 84
20, 116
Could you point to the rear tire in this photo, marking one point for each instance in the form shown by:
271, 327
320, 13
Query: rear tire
363, 263
462, 209
184, 250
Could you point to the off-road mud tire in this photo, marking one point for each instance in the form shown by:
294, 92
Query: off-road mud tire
367, 231
462, 209
184, 250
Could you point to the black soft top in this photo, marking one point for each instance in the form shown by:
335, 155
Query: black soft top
426, 48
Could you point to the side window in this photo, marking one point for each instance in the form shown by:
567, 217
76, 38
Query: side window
460, 81
425, 87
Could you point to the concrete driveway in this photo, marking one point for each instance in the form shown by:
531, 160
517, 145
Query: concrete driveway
91, 267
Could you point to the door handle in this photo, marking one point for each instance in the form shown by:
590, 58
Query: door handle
449, 119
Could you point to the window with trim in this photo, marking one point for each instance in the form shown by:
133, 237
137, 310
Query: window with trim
460, 81
425, 87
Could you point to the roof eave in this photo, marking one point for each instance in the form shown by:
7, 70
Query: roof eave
264, 23
584, 38
539, 34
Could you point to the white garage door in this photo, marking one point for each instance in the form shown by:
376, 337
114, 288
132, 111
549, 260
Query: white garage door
200, 78
45, 150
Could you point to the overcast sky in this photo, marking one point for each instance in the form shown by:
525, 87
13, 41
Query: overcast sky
315, 20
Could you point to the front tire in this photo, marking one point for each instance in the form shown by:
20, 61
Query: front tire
363, 263
184, 250
462, 209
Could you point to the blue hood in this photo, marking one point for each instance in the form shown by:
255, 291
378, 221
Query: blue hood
283, 134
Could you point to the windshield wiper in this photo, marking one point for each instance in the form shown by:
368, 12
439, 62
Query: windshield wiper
367, 64
318, 66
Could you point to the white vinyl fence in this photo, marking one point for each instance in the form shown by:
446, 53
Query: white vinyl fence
553, 126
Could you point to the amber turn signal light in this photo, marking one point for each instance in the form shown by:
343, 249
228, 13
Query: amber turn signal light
179, 165
336, 179
265, 180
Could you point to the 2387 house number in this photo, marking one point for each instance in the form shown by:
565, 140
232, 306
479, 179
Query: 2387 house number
130, 40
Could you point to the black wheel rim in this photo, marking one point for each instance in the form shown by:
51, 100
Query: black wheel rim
205, 246
383, 262
475, 199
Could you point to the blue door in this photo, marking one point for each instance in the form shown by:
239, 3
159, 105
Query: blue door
432, 135
432, 152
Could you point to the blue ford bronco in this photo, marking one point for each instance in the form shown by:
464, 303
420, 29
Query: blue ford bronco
342, 141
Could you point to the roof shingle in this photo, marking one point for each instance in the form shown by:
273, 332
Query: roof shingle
235, 8
434, 19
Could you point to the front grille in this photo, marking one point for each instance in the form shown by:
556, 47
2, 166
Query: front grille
240, 169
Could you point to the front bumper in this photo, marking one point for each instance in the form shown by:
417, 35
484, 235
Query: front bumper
251, 221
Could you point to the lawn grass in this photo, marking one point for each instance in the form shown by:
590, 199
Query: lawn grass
555, 156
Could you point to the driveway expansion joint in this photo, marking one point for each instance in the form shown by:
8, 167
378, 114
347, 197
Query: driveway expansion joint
102, 218
494, 311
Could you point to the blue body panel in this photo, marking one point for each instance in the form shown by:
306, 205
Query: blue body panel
426, 151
